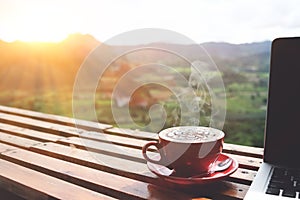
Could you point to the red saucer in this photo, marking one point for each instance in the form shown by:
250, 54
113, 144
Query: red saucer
167, 174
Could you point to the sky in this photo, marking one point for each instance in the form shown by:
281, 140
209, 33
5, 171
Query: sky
233, 21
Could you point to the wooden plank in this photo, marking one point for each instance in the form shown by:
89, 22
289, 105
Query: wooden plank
6, 147
228, 148
221, 190
123, 152
39, 125
134, 170
53, 128
17, 141
243, 150
88, 125
110, 160
132, 133
110, 184
244, 176
29, 133
111, 164
129, 169
247, 162
237, 191
114, 139
104, 148
30, 184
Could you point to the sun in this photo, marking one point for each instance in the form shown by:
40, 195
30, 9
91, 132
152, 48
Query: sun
38, 27
39, 23
40, 33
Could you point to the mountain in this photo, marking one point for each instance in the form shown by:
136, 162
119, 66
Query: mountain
237, 57
227, 50
44, 66
241, 57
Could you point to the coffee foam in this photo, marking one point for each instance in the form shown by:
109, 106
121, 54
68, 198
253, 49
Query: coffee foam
191, 134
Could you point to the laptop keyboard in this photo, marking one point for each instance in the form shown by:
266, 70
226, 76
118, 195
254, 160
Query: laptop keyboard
284, 182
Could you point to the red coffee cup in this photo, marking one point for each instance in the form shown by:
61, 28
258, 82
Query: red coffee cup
187, 149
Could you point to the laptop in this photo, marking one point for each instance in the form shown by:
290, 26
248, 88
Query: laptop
279, 175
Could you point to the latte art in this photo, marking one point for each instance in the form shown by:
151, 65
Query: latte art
191, 134
188, 135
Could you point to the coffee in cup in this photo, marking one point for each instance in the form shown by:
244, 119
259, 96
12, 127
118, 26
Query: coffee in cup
187, 149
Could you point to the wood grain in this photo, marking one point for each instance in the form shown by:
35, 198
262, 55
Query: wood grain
55, 118
34, 124
107, 183
17, 141
30, 184
128, 169
243, 150
97, 161
29, 133
132, 133
5, 147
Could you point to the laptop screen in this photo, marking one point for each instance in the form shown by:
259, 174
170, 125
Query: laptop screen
282, 138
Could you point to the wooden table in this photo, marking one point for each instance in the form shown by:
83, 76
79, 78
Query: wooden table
45, 157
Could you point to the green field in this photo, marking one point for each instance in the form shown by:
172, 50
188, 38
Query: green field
246, 107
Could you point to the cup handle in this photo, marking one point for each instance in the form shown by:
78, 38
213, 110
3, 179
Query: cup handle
145, 148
